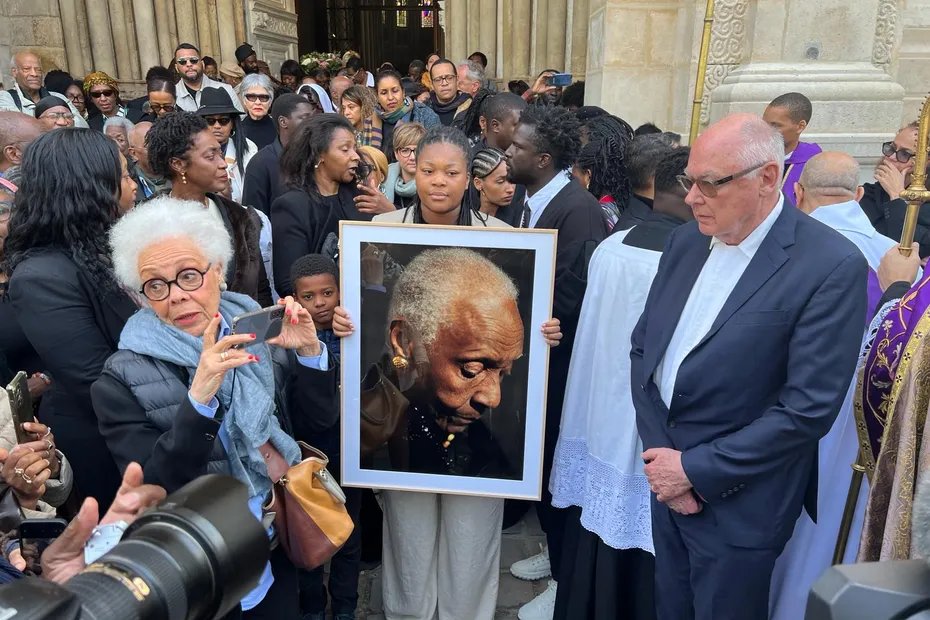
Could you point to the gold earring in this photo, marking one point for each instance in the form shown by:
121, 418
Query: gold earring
184, 178
400, 362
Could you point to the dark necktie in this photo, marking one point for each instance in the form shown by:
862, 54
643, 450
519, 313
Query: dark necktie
525, 216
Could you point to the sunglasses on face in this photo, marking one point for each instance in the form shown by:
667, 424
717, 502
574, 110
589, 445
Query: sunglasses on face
710, 188
159, 107
101, 93
902, 155
253, 97
191, 60
222, 121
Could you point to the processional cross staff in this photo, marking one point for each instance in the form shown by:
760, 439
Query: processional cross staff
916, 194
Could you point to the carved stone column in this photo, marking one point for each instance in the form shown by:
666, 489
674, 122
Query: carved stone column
226, 29
834, 52
272, 26
146, 35
75, 43
520, 33
101, 38
186, 20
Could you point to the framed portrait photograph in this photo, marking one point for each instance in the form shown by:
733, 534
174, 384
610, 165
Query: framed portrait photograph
444, 378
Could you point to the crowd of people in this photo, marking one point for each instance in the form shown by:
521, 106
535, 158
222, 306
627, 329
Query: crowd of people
709, 305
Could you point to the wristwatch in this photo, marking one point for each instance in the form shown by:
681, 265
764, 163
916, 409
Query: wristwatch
102, 539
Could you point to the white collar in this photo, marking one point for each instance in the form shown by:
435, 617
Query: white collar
750, 245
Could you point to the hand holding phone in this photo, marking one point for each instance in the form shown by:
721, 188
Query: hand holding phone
559, 80
35, 535
265, 324
21, 405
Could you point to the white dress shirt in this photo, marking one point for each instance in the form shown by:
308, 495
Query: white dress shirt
848, 219
724, 267
541, 199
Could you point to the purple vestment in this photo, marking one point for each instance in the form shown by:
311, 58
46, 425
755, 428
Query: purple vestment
793, 167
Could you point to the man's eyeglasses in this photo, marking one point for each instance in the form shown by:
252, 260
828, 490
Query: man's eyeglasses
188, 280
68, 116
192, 60
407, 151
100, 93
889, 149
444, 79
710, 188
222, 121
253, 97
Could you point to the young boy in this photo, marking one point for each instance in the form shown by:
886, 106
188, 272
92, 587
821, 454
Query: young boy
789, 114
316, 288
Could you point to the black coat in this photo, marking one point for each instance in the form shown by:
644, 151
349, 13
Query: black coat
173, 456
578, 217
636, 212
302, 224
246, 271
74, 326
262, 184
887, 216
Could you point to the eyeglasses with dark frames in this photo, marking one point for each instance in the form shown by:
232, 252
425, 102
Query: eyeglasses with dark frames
253, 97
6, 211
710, 188
445, 79
189, 280
889, 149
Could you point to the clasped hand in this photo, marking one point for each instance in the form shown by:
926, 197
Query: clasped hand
668, 480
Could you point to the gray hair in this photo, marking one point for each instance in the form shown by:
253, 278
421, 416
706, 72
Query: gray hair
119, 121
761, 143
253, 80
439, 277
160, 219
829, 174
473, 70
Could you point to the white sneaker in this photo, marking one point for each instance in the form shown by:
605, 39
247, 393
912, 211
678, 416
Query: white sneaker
533, 568
542, 607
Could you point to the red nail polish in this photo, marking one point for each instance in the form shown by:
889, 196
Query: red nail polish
257, 359
216, 316
252, 335
252, 357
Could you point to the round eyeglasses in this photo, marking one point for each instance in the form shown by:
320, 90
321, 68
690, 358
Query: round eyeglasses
189, 280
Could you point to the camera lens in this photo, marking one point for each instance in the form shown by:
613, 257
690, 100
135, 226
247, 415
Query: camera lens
181, 560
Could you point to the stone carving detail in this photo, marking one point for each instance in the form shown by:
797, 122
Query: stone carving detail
727, 42
886, 32
271, 23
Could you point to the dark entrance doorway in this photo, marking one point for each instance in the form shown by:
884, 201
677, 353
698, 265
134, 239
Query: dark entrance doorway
395, 31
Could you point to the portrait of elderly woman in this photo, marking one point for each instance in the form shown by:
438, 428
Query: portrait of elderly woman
446, 336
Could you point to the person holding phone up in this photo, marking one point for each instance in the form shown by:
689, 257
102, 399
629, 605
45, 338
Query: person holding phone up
186, 395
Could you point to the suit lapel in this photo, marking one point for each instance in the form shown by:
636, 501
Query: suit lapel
672, 301
768, 260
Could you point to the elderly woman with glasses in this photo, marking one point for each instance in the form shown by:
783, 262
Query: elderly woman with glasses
102, 93
184, 396
54, 112
184, 149
257, 94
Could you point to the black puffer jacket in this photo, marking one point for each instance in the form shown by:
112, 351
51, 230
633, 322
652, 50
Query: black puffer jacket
145, 415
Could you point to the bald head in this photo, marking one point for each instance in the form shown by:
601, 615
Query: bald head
26, 69
828, 178
17, 130
137, 149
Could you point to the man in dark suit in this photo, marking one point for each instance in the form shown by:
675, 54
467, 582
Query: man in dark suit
740, 363
545, 145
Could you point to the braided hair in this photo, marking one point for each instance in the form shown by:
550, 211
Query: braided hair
604, 157
68, 199
454, 137
468, 121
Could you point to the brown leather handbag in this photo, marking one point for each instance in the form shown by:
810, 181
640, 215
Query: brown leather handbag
309, 507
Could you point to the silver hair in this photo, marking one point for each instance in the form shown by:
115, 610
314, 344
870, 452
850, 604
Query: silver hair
160, 219
761, 143
256, 79
473, 70
822, 176
437, 278
119, 121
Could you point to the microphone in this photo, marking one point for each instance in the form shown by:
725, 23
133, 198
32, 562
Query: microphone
897, 590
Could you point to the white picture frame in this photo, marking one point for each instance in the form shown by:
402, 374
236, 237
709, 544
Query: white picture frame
514, 249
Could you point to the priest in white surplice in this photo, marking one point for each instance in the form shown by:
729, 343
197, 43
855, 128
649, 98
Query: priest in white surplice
829, 191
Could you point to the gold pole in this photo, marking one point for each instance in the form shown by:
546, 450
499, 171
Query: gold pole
852, 498
701, 72
917, 193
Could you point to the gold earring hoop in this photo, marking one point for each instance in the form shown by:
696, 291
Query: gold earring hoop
400, 362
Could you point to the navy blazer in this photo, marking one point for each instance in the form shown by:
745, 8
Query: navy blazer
754, 397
